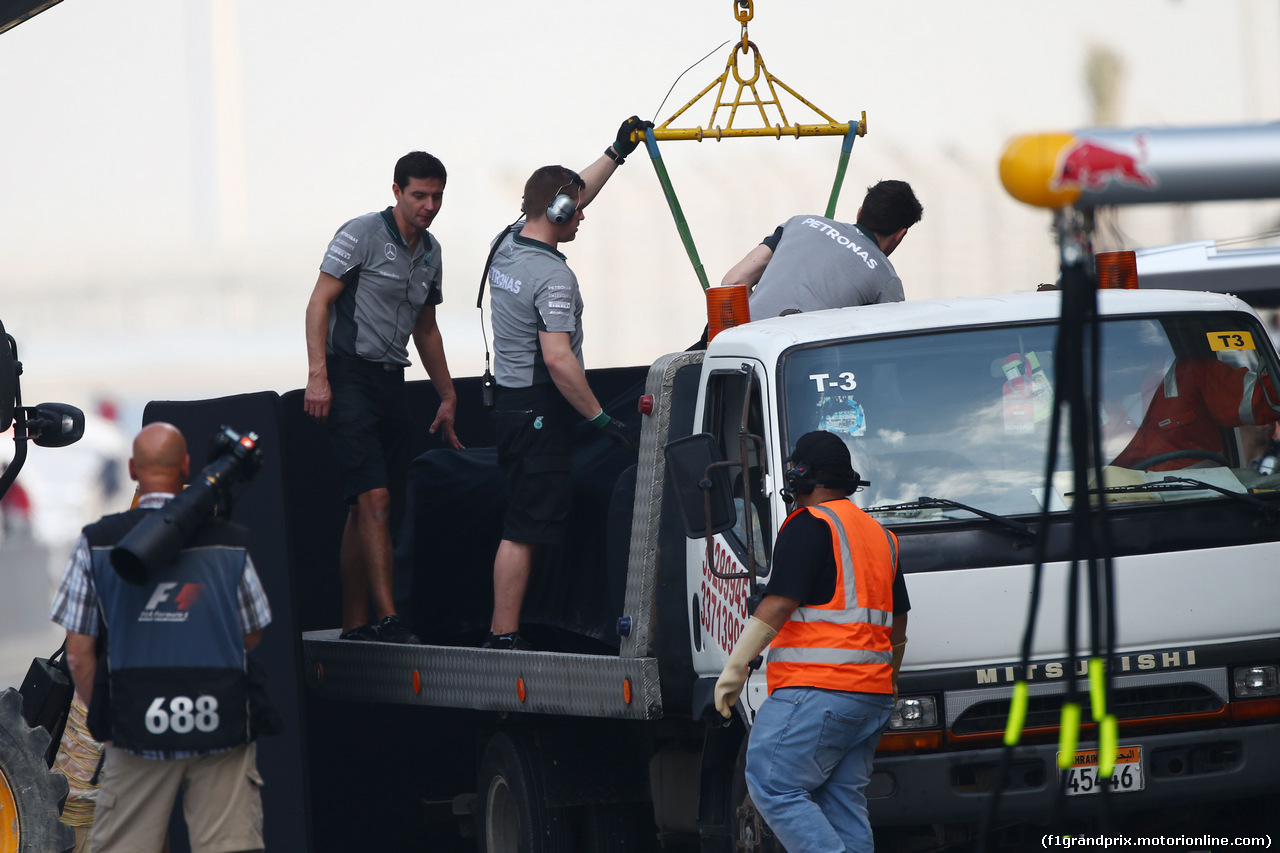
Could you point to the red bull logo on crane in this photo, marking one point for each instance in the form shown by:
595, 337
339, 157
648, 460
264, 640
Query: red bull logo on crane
1091, 165
1090, 168
1061, 169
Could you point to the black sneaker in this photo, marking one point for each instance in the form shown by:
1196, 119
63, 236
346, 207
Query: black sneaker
393, 629
364, 632
510, 642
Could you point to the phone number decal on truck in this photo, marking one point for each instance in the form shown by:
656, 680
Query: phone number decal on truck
723, 608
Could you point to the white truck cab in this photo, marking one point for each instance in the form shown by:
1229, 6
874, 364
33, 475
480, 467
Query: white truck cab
946, 407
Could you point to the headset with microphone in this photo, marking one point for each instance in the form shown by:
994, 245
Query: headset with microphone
802, 480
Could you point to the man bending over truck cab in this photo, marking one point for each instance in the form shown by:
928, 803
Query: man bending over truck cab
541, 384
836, 612
811, 262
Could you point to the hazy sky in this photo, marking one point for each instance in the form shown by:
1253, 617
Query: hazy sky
171, 171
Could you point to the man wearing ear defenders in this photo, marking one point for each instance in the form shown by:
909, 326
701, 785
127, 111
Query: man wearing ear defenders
812, 262
541, 383
835, 610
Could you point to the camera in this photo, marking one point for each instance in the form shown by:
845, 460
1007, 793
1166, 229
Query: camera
155, 542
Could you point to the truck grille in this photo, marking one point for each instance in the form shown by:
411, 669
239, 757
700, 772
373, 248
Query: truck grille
1127, 703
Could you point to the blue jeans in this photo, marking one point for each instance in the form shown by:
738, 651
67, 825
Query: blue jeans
808, 761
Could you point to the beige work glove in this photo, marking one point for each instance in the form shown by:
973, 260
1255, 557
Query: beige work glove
899, 649
755, 637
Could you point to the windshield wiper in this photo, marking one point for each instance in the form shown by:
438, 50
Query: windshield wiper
926, 502
1187, 484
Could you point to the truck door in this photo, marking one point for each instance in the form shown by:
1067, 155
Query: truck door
737, 412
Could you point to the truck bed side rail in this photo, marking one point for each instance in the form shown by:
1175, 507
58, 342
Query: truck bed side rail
482, 679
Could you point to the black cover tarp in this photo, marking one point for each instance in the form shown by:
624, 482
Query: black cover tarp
454, 523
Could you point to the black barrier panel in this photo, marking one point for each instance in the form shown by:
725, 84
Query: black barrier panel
295, 514
315, 508
575, 592
259, 505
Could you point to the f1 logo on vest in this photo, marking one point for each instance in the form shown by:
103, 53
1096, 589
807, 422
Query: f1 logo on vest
166, 607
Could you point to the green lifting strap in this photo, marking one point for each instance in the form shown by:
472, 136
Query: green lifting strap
845, 148
681, 225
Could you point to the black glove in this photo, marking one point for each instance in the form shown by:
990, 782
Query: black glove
615, 429
624, 144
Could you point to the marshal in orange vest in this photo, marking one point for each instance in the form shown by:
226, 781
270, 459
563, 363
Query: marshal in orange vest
843, 644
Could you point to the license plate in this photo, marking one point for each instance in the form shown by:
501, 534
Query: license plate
1082, 776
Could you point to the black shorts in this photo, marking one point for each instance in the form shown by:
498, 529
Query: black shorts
534, 431
368, 426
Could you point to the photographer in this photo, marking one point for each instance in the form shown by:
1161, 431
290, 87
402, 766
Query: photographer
173, 707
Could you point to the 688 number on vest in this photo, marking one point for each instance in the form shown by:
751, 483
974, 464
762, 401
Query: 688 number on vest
181, 715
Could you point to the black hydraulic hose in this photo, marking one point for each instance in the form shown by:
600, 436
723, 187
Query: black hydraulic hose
988, 816
1102, 587
1079, 317
1039, 550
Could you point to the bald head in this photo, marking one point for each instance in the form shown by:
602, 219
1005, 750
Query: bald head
160, 462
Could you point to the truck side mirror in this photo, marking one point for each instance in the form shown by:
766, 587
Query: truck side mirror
8, 379
701, 484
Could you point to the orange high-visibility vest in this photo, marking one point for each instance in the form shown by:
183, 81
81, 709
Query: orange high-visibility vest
843, 644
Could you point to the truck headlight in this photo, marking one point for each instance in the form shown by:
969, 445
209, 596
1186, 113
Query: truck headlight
1251, 681
914, 712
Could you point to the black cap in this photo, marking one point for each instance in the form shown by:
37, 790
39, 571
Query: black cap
825, 452
821, 457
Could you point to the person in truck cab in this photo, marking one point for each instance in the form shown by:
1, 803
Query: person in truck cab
835, 610
812, 262
1189, 407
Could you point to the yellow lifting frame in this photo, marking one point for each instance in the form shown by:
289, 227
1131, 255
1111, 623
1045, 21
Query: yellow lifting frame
743, 11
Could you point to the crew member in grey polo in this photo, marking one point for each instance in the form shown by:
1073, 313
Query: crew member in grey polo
387, 285
533, 290
820, 263
378, 287
811, 262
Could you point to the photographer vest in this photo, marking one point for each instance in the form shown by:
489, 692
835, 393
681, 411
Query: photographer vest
174, 650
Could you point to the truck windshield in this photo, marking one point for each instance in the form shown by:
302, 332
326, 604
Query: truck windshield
964, 415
